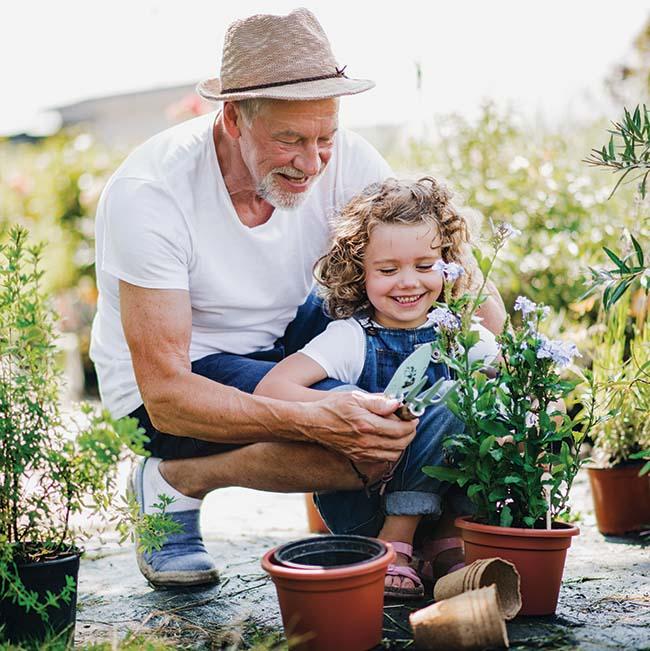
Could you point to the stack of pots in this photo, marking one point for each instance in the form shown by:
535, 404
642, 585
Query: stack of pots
331, 591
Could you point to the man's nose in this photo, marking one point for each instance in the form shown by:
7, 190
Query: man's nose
308, 161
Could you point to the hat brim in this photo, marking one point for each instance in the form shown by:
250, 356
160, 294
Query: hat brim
210, 89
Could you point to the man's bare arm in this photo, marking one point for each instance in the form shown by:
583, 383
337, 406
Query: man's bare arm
157, 325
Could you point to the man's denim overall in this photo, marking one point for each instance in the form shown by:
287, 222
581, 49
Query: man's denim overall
410, 491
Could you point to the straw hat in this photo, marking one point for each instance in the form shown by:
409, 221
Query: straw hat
279, 57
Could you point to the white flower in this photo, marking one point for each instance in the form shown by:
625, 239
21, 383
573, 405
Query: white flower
508, 231
444, 319
561, 352
532, 419
525, 306
450, 270
502, 232
530, 310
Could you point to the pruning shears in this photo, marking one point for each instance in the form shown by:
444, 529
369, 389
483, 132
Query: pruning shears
407, 382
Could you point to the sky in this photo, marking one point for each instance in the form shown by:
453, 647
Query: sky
547, 59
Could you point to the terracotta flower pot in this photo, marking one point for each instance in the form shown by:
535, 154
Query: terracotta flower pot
538, 555
327, 603
621, 498
314, 521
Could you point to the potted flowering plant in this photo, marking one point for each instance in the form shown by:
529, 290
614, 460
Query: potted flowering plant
518, 453
619, 479
47, 474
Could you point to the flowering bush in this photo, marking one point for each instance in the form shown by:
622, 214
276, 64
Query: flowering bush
518, 454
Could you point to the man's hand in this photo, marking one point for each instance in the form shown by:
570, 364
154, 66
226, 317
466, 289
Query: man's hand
361, 426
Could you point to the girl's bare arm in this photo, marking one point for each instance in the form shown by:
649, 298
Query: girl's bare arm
291, 378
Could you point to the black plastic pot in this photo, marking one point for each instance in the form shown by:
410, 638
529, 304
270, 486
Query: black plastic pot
329, 552
23, 626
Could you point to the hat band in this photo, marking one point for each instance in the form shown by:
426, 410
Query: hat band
240, 89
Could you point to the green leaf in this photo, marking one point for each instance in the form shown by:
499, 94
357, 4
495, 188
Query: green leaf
493, 427
486, 445
505, 518
638, 249
443, 473
513, 479
474, 489
616, 260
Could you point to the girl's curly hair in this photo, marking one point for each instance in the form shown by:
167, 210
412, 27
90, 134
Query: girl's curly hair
340, 272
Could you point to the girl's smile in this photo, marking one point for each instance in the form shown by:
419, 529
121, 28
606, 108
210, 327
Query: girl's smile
400, 281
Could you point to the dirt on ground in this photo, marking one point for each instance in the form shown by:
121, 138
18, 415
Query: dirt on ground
604, 601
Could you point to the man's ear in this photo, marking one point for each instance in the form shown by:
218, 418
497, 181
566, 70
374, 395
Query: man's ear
232, 119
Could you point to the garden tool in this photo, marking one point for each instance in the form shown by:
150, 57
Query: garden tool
407, 382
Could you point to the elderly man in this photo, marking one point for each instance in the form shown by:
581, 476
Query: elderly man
206, 238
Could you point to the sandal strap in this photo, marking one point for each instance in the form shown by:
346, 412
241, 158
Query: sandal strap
403, 548
404, 571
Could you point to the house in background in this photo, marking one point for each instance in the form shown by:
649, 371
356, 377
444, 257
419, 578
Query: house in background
130, 118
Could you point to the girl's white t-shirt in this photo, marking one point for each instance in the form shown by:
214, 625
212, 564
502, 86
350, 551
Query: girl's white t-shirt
341, 349
165, 221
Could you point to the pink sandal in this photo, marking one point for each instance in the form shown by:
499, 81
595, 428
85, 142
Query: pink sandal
429, 552
393, 592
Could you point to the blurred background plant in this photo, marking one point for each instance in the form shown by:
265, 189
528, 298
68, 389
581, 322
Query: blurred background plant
51, 187
533, 180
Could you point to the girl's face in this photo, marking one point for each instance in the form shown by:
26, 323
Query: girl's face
400, 281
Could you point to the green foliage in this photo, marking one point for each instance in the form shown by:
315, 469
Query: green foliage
644, 454
622, 355
518, 454
52, 188
621, 369
628, 148
529, 177
50, 466
149, 529
627, 152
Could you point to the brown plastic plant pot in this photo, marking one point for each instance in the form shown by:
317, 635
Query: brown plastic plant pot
621, 498
538, 555
337, 608
315, 522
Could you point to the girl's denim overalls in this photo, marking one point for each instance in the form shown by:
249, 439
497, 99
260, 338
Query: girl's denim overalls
410, 491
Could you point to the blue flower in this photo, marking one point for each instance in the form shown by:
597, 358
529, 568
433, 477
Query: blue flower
561, 352
444, 319
450, 270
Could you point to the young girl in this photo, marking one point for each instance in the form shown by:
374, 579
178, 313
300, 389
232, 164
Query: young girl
379, 280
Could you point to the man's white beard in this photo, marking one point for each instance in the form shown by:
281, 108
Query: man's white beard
269, 189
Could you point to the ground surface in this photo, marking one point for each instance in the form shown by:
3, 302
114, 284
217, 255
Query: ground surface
604, 601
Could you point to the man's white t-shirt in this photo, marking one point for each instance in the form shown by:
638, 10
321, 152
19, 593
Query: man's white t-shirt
165, 221
341, 349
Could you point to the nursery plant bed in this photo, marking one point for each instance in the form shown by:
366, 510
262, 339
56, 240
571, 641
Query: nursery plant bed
604, 599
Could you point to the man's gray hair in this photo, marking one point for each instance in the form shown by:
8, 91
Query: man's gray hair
251, 108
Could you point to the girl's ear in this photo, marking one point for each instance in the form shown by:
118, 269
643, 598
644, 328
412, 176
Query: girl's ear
232, 119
